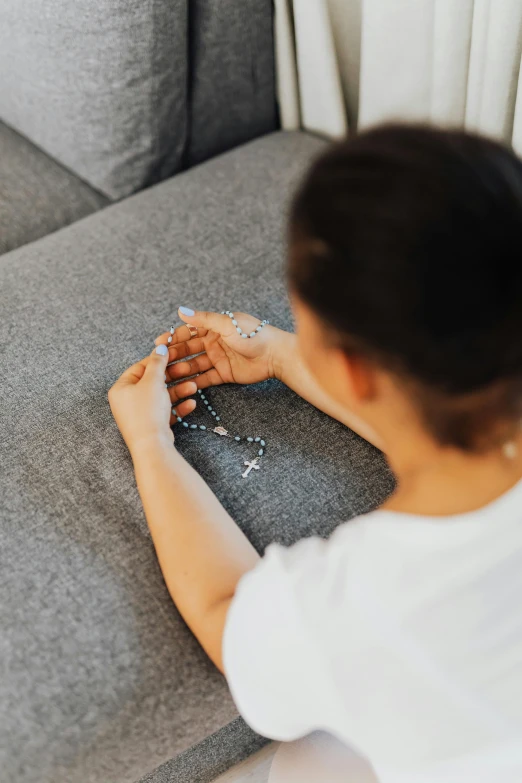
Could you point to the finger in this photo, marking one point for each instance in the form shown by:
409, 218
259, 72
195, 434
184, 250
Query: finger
181, 410
210, 378
133, 374
184, 369
179, 335
182, 390
157, 364
189, 348
204, 321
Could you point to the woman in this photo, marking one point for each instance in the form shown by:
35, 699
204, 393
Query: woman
402, 635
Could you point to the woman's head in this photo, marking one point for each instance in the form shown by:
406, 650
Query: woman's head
405, 247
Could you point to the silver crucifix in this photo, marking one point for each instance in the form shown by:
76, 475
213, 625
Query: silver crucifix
251, 466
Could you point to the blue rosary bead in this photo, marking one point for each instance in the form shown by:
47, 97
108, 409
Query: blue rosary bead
185, 424
256, 440
218, 418
193, 426
213, 413
260, 452
250, 440
237, 437
179, 419
262, 443
202, 427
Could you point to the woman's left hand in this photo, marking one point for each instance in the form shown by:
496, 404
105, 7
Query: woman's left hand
142, 406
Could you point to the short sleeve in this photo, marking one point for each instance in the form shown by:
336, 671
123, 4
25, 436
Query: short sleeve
270, 662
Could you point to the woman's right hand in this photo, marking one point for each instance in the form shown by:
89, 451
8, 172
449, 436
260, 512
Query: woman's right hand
226, 357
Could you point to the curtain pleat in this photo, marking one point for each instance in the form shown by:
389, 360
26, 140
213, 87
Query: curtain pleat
517, 127
452, 23
286, 67
396, 60
414, 60
321, 97
494, 68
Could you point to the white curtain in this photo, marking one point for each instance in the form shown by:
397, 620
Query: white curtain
359, 62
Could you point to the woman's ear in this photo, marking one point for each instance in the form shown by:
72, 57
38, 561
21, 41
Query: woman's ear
361, 378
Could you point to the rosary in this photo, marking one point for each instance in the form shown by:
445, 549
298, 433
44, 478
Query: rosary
257, 441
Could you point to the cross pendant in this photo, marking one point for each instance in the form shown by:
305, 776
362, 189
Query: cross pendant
251, 466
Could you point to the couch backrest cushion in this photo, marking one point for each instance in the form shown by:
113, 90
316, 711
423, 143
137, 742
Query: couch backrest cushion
100, 85
232, 78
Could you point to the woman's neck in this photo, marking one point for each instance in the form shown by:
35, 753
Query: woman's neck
441, 482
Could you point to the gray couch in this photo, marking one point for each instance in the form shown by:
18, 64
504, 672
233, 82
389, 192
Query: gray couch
100, 680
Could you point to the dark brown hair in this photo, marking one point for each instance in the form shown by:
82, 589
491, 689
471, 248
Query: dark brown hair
407, 242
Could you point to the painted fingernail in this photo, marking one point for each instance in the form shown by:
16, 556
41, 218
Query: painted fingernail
162, 350
186, 311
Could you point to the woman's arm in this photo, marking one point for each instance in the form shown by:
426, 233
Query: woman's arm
291, 370
202, 552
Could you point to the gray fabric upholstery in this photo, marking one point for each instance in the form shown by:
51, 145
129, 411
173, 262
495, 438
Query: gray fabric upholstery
211, 757
37, 195
100, 86
232, 79
101, 680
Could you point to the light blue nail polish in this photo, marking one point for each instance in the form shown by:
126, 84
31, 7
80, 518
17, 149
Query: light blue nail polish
162, 350
186, 311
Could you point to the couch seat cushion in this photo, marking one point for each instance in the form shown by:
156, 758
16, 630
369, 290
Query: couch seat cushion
102, 681
37, 195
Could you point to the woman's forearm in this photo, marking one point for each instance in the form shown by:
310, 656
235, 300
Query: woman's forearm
291, 370
201, 551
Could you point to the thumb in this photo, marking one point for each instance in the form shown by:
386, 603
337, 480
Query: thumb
157, 363
203, 319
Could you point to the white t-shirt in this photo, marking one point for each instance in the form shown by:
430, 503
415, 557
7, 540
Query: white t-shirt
400, 637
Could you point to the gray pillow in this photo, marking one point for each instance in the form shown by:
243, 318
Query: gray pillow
100, 85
